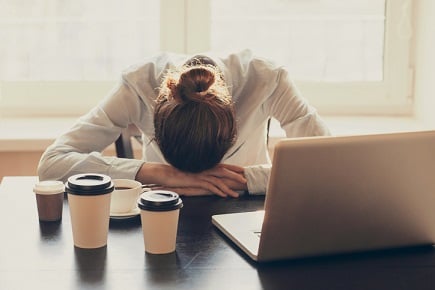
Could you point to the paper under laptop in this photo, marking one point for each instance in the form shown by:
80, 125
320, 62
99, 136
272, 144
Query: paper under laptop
330, 195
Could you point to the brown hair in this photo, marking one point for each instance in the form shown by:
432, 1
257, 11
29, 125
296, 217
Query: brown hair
194, 118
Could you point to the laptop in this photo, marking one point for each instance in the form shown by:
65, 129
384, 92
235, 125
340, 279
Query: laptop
334, 195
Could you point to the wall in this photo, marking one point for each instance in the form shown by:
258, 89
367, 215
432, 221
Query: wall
24, 163
18, 163
424, 87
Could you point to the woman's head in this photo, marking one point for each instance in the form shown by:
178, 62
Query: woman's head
194, 117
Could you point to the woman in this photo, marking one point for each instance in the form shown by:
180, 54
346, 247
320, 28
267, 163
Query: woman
203, 121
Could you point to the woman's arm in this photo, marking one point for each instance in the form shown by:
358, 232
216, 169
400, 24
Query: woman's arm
79, 149
295, 115
223, 180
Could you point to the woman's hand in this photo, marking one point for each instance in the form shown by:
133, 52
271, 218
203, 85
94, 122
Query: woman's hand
222, 180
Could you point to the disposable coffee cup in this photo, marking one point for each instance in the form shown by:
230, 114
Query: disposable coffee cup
89, 202
159, 212
49, 200
124, 197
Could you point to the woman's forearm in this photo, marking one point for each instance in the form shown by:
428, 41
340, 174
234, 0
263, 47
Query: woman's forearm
222, 180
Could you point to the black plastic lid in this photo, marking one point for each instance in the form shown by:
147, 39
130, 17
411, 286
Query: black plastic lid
159, 200
89, 184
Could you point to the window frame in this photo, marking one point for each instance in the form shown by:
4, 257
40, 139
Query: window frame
189, 33
391, 96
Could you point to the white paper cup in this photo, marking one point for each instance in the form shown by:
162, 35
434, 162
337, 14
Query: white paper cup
125, 195
49, 200
89, 198
159, 212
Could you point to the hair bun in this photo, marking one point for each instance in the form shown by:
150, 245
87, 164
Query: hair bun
194, 84
202, 84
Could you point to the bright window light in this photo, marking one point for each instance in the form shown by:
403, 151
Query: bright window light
59, 58
81, 40
318, 40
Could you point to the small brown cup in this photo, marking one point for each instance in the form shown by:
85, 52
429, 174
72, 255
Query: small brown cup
49, 200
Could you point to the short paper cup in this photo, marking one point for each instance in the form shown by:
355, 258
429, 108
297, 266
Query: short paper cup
49, 200
159, 216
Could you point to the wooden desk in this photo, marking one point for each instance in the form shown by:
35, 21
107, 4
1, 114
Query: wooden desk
35, 255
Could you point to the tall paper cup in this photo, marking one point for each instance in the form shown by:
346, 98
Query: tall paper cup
89, 201
159, 217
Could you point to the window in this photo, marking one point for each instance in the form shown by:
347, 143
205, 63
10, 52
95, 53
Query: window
75, 40
346, 56
61, 57
330, 41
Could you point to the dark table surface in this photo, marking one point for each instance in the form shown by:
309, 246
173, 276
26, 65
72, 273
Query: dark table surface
36, 255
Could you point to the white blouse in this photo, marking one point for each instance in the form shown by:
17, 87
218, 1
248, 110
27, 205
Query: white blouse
259, 89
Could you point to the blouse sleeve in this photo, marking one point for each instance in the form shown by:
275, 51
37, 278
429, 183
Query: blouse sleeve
79, 149
296, 117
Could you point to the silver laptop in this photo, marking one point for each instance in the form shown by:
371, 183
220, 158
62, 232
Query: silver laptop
330, 195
